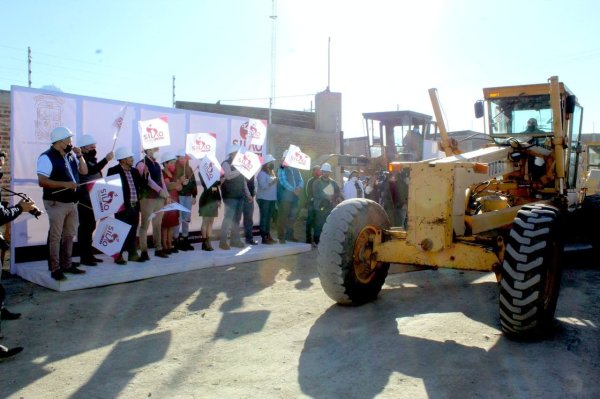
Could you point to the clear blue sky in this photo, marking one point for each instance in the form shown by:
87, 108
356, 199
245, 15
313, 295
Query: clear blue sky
385, 54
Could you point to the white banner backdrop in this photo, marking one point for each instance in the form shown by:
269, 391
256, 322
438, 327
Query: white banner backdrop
35, 112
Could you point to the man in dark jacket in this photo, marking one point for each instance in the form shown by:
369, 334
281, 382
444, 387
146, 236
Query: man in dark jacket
132, 182
234, 191
58, 171
7, 215
87, 221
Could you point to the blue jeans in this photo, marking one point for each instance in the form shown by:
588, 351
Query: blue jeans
266, 209
231, 219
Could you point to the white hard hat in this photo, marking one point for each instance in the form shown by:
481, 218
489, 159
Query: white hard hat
122, 153
180, 152
60, 133
233, 148
268, 158
326, 167
167, 156
86, 139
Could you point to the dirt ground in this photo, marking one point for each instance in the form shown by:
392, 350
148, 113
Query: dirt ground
266, 330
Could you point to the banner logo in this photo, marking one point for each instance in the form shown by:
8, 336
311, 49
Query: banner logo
48, 115
105, 197
108, 236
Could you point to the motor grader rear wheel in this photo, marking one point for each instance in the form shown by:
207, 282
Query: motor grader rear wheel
348, 273
531, 273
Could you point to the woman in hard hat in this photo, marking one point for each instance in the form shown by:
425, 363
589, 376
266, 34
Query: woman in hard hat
170, 219
266, 197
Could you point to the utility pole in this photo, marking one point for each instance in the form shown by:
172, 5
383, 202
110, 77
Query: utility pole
328, 62
273, 54
173, 91
29, 64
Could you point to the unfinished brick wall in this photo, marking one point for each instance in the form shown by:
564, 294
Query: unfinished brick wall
5, 135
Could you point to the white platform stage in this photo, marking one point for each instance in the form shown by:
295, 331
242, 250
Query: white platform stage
107, 272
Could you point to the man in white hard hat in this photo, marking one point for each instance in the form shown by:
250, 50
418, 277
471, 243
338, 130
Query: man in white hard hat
58, 171
310, 214
132, 182
87, 221
153, 197
326, 195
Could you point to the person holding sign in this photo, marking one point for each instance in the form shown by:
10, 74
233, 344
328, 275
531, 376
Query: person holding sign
132, 182
153, 197
170, 218
266, 196
209, 203
235, 191
289, 187
87, 221
58, 171
187, 198
326, 195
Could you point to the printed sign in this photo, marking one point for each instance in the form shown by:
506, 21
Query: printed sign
110, 236
201, 144
106, 196
255, 132
173, 206
210, 170
296, 158
154, 133
247, 162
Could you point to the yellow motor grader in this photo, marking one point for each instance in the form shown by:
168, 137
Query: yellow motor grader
501, 208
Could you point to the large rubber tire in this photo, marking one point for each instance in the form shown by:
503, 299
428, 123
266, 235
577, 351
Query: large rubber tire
531, 273
345, 248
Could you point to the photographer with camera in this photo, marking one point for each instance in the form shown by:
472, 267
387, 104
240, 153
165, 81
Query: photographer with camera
58, 171
7, 215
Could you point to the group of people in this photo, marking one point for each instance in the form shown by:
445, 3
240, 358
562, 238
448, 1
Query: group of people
158, 179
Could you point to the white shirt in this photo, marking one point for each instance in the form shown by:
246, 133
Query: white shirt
44, 166
350, 189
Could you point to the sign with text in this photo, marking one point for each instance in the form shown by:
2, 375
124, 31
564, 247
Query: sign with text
296, 158
154, 133
110, 236
201, 144
247, 162
210, 170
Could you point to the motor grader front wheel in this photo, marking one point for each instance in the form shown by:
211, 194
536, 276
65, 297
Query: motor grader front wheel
531, 273
348, 272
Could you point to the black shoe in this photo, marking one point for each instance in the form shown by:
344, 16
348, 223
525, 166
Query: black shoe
144, 256
161, 253
267, 241
74, 264
97, 260
206, 246
185, 245
119, 260
224, 245
88, 262
5, 353
173, 250
251, 242
58, 275
74, 270
6, 315
237, 244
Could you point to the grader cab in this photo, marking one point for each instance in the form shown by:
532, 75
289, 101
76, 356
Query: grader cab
499, 208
